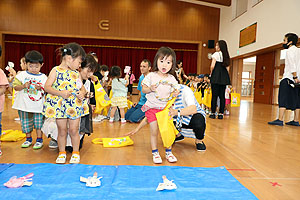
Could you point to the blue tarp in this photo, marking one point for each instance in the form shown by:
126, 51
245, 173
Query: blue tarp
51, 181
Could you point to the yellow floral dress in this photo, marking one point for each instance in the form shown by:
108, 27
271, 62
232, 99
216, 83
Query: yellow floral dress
72, 107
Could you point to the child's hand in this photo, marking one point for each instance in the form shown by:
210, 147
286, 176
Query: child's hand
153, 88
94, 78
131, 133
26, 85
80, 95
176, 93
65, 94
38, 87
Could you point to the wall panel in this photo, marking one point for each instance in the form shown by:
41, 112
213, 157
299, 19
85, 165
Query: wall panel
155, 20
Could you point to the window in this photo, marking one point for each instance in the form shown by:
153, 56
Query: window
239, 7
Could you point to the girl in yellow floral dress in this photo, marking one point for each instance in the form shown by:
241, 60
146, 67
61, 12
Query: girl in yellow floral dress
64, 101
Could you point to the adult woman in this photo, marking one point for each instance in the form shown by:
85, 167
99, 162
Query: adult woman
180, 72
219, 77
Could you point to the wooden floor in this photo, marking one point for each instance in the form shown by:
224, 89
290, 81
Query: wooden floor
264, 158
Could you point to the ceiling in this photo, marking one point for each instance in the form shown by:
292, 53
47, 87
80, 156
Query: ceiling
219, 2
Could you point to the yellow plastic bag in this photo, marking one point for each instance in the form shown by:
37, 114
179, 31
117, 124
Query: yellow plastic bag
235, 99
207, 97
101, 102
198, 96
114, 142
166, 127
12, 136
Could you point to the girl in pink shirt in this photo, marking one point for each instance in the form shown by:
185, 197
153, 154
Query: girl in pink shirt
158, 86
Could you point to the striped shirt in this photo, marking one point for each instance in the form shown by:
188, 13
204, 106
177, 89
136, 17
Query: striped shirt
184, 99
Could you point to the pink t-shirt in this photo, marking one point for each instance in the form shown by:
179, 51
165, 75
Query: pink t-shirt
162, 91
3, 82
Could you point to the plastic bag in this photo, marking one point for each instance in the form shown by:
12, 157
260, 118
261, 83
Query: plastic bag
101, 97
12, 136
166, 126
114, 142
207, 97
235, 99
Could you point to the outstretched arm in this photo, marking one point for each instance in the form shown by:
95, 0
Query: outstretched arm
141, 125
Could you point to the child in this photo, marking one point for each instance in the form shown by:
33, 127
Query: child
131, 80
119, 90
64, 99
227, 99
86, 127
29, 100
3, 86
102, 75
158, 93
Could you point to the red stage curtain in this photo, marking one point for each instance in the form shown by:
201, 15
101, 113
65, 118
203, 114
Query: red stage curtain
109, 52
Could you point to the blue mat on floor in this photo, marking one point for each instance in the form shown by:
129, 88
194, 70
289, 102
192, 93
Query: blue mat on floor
51, 181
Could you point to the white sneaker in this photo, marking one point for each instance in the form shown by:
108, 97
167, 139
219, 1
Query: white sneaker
170, 157
26, 144
123, 121
111, 120
156, 158
38, 145
17, 119
75, 159
61, 159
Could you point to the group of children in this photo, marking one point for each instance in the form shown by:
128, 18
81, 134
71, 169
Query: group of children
200, 83
67, 95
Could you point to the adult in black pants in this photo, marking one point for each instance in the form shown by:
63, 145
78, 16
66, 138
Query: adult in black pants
219, 77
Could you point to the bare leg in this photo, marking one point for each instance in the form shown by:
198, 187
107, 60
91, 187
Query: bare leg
39, 133
122, 112
112, 112
62, 134
74, 133
153, 134
281, 113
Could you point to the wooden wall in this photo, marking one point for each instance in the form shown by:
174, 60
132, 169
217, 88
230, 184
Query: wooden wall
144, 20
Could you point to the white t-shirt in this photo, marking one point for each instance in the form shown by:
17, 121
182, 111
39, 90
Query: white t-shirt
292, 62
218, 56
163, 90
22, 100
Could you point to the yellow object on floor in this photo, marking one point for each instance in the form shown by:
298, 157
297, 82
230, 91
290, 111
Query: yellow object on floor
114, 142
12, 135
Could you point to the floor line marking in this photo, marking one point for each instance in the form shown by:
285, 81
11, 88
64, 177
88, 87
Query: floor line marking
269, 178
226, 148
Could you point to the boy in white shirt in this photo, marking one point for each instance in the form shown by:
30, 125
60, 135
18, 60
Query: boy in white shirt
30, 97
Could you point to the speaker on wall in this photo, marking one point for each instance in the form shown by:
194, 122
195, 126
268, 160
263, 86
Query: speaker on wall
211, 44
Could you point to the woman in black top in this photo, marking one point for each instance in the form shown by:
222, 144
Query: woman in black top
219, 77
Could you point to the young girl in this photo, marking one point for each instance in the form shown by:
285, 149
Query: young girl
227, 99
131, 80
119, 90
64, 100
157, 87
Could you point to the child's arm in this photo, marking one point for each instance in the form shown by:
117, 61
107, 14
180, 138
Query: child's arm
141, 125
81, 93
18, 86
127, 79
2, 89
48, 86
